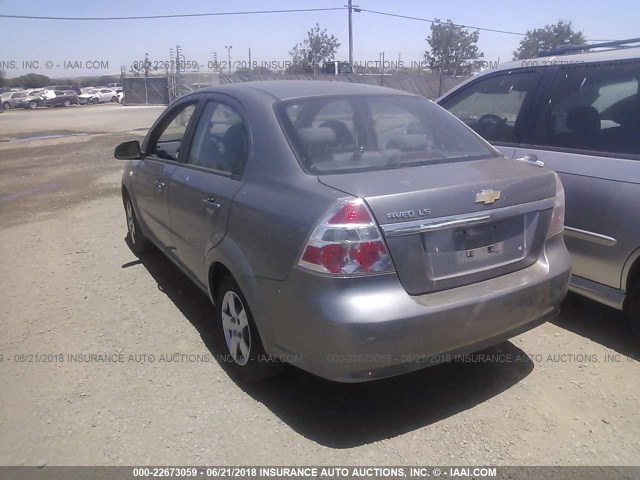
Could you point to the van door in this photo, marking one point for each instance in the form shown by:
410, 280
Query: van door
588, 130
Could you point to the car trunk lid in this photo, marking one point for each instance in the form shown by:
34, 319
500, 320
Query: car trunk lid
451, 224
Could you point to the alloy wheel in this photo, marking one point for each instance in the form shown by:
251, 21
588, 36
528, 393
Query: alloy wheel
235, 325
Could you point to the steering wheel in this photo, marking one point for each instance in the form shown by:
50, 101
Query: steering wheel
492, 126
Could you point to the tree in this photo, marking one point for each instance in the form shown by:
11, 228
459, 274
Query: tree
30, 80
453, 49
2, 78
550, 36
143, 68
314, 50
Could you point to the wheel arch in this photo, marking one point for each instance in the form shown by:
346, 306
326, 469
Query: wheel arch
227, 259
631, 272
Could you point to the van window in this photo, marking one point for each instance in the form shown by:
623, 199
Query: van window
593, 107
492, 106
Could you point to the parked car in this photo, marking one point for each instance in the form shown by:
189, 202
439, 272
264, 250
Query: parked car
96, 95
62, 99
12, 99
331, 221
579, 114
33, 99
75, 88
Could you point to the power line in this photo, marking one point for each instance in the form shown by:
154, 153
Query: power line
428, 20
179, 15
259, 12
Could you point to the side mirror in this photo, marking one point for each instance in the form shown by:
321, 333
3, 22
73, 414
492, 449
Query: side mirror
128, 151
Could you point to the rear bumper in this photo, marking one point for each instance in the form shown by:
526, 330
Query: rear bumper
360, 329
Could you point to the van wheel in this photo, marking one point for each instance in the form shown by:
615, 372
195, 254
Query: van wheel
135, 238
244, 355
633, 310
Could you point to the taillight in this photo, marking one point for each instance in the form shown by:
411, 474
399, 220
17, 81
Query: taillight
556, 225
347, 241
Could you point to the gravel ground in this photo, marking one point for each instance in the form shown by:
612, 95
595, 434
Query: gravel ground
567, 393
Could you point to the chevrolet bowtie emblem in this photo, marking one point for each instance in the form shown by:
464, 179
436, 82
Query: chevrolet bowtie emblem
487, 196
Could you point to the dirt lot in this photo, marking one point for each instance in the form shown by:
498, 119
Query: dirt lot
567, 394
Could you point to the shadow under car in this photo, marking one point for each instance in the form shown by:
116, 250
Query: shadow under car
340, 415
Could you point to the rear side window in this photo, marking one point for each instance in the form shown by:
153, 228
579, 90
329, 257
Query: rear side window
220, 140
493, 106
593, 107
375, 132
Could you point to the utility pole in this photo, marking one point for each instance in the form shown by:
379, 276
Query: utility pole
172, 76
229, 47
178, 60
352, 8
249, 58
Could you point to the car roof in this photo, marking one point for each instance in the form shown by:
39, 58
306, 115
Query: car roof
288, 89
631, 53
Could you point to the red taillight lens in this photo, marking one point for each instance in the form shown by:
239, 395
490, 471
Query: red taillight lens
350, 213
366, 254
332, 257
347, 241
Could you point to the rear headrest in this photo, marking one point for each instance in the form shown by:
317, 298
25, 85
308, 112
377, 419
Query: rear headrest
315, 135
584, 120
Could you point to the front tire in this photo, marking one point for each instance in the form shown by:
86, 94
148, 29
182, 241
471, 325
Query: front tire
136, 240
66, 103
33, 105
244, 355
6, 106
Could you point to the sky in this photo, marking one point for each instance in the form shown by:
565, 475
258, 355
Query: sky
65, 48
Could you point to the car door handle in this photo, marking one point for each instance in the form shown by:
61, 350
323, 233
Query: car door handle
531, 158
211, 205
160, 185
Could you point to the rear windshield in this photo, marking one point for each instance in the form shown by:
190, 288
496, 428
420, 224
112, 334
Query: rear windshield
341, 134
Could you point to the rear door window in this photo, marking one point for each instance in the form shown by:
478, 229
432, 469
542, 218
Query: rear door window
593, 107
220, 140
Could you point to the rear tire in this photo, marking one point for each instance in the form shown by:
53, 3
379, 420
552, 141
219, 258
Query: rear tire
136, 240
244, 355
633, 310
6, 106
33, 105
114, 99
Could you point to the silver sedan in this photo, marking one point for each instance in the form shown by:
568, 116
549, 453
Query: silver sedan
354, 231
